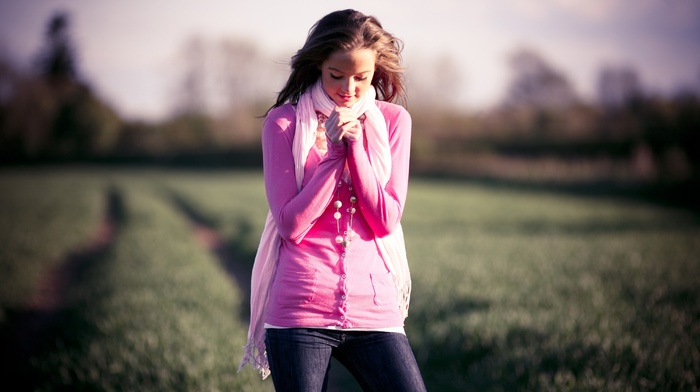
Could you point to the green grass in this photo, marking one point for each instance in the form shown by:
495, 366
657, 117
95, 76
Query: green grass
513, 289
536, 291
156, 312
43, 217
233, 204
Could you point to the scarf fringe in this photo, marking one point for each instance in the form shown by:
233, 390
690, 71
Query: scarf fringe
257, 358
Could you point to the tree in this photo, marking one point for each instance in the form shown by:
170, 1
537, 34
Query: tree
191, 96
448, 79
57, 59
50, 113
219, 87
242, 72
618, 87
435, 83
537, 84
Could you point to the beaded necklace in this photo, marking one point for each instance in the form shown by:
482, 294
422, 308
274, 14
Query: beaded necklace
348, 234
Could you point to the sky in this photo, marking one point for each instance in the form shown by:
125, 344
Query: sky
128, 49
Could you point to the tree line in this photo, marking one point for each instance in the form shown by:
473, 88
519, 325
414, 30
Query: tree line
50, 113
656, 137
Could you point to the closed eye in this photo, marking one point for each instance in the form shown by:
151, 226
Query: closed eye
357, 78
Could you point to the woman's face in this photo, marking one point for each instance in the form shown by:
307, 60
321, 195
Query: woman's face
346, 75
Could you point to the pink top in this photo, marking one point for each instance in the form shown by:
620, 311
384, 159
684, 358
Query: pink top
318, 282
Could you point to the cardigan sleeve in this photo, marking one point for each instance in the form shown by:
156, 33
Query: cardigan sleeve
295, 211
382, 206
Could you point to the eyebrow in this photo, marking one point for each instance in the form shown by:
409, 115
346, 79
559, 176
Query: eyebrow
337, 70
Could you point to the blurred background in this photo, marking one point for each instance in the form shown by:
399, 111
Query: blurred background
532, 91
111, 263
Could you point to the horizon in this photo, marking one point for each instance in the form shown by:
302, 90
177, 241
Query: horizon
126, 51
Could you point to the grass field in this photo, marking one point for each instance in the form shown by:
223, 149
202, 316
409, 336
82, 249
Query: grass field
513, 289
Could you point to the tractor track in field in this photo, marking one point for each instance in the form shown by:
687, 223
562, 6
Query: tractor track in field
29, 327
226, 252
211, 239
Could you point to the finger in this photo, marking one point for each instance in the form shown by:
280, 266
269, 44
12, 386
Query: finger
336, 134
351, 135
333, 117
332, 125
346, 115
352, 130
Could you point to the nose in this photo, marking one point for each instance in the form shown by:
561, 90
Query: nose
348, 86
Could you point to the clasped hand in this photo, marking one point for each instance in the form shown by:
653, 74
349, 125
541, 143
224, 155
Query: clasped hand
343, 125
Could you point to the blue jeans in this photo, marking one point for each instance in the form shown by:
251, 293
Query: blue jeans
300, 359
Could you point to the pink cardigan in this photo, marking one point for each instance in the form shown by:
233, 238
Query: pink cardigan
318, 283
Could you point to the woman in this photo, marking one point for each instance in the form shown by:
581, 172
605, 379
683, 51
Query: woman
330, 278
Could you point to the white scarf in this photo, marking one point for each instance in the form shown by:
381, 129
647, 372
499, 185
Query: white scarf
391, 247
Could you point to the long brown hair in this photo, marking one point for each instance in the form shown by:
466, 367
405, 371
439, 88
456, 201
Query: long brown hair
347, 30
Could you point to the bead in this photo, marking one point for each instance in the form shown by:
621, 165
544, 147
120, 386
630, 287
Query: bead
344, 241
